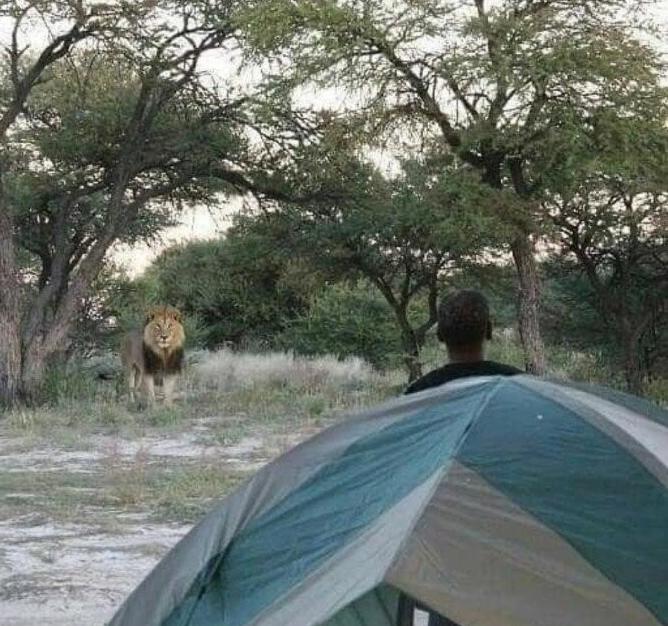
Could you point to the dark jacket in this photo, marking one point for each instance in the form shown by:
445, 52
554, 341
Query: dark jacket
451, 371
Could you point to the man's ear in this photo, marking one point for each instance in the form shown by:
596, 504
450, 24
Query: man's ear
488, 335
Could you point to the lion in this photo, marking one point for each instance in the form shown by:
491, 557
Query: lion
155, 354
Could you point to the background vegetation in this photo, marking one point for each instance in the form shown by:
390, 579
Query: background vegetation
386, 153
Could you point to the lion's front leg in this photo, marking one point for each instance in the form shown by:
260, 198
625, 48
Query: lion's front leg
168, 384
149, 388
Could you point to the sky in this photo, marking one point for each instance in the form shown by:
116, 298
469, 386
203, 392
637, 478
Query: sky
199, 222
194, 223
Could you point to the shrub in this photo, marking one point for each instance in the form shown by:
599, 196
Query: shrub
346, 321
237, 290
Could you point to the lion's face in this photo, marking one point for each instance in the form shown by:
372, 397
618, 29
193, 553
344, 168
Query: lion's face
163, 329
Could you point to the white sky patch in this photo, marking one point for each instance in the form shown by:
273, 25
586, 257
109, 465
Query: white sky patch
195, 223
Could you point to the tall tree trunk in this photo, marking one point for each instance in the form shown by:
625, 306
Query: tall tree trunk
10, 309
32, 372
529, 304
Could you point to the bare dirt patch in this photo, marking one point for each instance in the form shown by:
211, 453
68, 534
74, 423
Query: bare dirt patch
74, 573
248, 453
93, 491
56, 568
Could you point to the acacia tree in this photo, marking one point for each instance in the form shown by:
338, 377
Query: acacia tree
616, 229
124, 130
401, 233
20, 79
608, 200
496, 82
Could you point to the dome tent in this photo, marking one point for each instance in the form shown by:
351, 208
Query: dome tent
494, 501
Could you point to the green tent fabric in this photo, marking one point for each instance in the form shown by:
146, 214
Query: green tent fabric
494, 501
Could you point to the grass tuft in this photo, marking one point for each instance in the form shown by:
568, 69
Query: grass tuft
226, 370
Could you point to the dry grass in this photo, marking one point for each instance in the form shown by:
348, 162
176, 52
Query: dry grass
225, 398
258, 386
175, 493
238, 396
225, 370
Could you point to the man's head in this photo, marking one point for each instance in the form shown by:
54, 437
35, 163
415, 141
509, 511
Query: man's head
464, 325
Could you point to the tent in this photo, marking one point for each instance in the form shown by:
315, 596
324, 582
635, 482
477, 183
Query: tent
494, 501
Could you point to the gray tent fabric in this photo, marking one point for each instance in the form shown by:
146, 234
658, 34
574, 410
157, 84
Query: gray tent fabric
474, 547
494, 501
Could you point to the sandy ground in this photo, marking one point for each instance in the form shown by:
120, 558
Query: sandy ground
76, 574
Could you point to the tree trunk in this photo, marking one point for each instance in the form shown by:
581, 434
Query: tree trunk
32, 374
10, 354
413, 364
410, 344
529, 305
10, 309
633, 370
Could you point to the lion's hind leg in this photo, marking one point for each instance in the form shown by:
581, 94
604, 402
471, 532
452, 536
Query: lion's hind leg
148, 383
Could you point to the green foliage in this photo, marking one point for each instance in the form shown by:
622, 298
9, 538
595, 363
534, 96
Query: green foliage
66, 383
105, 142
399, 233
608, 217
117, 305
512, 82
570, 316
346, 320
579, 316
511, 116
236, 289
111, 300
547, 102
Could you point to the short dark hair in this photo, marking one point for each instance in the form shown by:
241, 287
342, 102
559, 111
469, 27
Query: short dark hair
463, 319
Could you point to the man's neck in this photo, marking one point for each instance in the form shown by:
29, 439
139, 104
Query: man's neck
466, 356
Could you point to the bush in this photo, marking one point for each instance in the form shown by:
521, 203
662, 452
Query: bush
238, 292
346, 320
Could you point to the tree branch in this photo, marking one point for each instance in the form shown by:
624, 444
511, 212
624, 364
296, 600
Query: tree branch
57, 49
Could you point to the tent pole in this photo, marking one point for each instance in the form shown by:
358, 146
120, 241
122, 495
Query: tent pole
405, 610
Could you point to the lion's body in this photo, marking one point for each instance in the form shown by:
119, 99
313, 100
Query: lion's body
154, 354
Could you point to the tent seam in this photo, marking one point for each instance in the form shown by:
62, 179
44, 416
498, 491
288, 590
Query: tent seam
443, 471
483, 403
